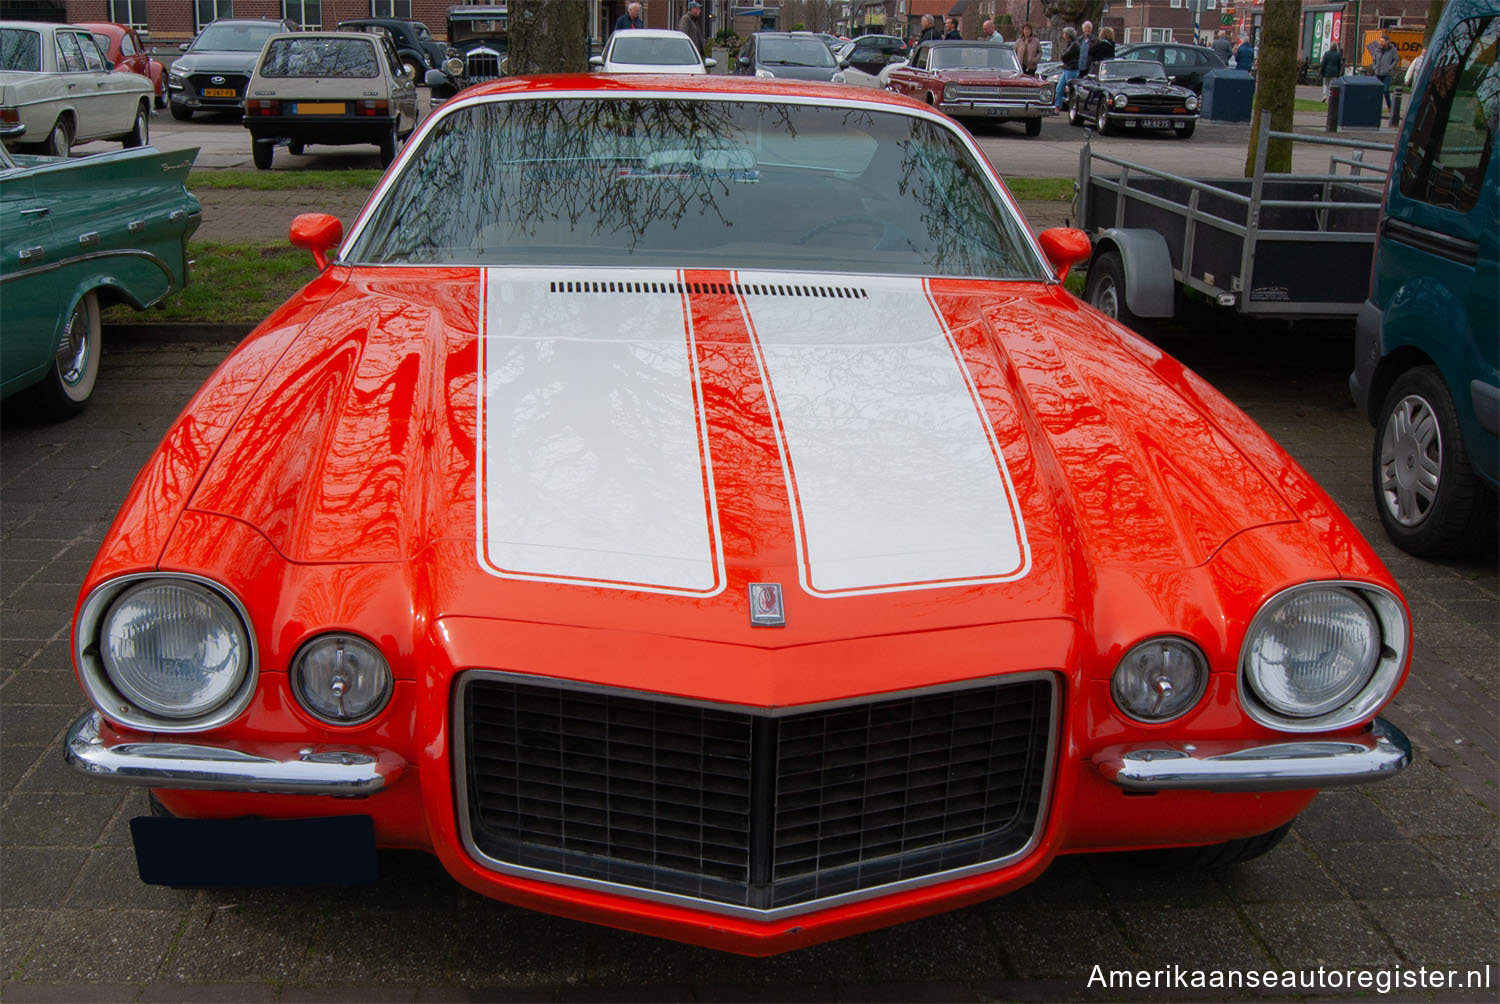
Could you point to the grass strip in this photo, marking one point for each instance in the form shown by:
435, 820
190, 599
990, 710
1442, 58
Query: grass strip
230, 284
363, 179
1041, 189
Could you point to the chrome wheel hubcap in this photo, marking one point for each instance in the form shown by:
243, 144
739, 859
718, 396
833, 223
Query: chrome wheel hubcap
1411, 460
73, 350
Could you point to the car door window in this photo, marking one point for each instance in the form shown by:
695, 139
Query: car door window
127, 47
93, 55
1454, 132
69, 54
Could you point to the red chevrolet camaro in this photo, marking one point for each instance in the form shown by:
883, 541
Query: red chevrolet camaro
696, 506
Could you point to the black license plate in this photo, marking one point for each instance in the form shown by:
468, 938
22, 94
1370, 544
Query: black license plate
254, 853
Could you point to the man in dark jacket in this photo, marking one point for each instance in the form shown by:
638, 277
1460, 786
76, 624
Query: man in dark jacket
691, 25
952, 32
630, 19
1383, 62
929, 30
1330, 68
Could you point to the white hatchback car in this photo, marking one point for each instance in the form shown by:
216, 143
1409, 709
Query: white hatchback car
57, 89
651, 50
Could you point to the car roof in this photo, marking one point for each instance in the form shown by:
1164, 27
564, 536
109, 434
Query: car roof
358, 36
708, 85
655, 33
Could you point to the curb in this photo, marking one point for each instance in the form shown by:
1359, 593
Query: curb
167, 331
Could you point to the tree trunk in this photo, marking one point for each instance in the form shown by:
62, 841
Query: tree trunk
549, 36
1275, 83
1434, 11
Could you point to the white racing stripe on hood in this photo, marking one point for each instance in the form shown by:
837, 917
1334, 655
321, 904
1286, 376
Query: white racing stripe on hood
895, 478
593, 462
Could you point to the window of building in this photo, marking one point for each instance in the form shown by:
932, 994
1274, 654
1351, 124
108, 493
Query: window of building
131, 12
307, 13
1175, 3
391, 8
1455, 129
209, 11
1158, 35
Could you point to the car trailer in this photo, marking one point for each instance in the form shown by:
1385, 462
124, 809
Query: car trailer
1279, 245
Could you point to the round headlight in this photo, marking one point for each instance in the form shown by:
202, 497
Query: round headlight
341, 679
1309, 652
1046, 93
1160, 679
453, 66
173, 648
1121, 101
1192, 102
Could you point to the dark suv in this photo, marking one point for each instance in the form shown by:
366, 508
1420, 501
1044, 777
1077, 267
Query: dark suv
1425, 365
478, 41
211, 73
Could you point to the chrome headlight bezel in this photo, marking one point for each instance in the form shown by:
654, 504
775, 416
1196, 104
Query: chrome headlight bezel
1186, 700
1191, 103
109, 698
1379, 679
1120, 101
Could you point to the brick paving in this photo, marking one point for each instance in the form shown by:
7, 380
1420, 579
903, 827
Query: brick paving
1400, 874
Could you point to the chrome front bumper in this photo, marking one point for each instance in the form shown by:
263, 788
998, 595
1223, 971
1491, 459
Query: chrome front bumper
281, 768
1381, 752
994, 109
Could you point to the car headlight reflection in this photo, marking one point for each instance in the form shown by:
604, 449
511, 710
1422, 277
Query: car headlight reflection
1160, 679
1192, 103
341, 679
1322, 656
173, 648
1120, 101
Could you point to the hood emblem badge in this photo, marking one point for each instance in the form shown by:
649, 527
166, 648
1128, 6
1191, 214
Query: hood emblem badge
216, 80
765, 605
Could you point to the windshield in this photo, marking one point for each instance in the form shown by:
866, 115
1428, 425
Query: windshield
319, 57
986, 56
795, 52
20, 50
1126, 69
627, 47
466, 31
234, 37
695, 184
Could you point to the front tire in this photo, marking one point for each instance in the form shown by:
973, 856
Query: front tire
1185, 131
1105, 288
1102, 123
182, 114
388, 146
261, 154
295, 148
1428, 497
74, 369
1033, 127
1075, 115
140, 132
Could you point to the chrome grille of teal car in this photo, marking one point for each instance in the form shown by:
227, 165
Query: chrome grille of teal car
749, 810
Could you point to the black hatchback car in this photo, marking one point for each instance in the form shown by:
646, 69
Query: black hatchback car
414, 43
1185, 64
797, 55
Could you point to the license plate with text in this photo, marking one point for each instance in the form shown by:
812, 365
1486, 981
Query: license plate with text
220, 92
318, 108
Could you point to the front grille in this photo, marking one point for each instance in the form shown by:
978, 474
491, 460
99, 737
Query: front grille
754, 811
201, 81
480, 65
1156, 102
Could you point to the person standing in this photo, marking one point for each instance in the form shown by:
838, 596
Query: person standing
987, 32
1222, 47
1028, 49
1416, 67
1104, 48
1384, 60
691, 25
1330, 68
952, 33
1085, 49
930, 32
1069, 60
1244, 55
630, 19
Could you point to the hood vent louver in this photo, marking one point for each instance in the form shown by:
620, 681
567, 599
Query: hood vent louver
710, 288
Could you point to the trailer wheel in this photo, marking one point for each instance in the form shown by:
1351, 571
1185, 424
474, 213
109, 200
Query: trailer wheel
1428, 497
1105, 288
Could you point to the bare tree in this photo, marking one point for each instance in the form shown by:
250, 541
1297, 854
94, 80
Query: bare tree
549, 36
1275, 83
1072, 13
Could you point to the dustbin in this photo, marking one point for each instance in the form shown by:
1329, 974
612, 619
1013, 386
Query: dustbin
1228, 96
1360, 102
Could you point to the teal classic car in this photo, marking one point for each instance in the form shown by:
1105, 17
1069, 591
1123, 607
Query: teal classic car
81, 235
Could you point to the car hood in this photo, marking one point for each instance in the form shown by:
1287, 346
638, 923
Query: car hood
215, 62
550, 443
1135, 88
966, 75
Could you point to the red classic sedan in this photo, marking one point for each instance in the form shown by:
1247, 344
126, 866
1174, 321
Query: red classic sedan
695, 505
973, 80
122, 45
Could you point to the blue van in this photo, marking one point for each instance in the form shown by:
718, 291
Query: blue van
1426, 341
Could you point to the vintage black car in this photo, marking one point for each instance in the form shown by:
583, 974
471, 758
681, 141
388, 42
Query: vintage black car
414, 43
478, 40
1132, 92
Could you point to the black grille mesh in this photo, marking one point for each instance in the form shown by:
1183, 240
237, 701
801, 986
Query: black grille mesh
746, 809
